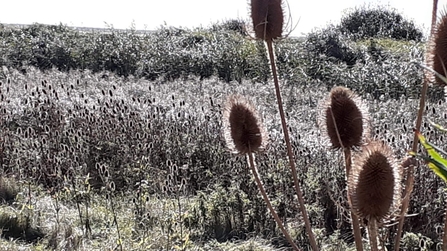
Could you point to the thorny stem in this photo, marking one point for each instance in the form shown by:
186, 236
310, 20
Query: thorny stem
372, 233
310, 234
348, 164
254, 170
409, 182
355, 219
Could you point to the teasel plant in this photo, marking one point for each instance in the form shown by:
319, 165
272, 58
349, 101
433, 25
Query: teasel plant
437, 61
245, 134
437, 32
268, 23
344, 121
374, 190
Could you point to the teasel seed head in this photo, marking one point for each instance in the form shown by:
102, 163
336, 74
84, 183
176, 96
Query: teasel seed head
346, 109
374, 182
268, 18
438, 49
243, 129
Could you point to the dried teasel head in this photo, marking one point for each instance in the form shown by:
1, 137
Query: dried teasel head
438, 49
343, 118
374, 182
243, 129
268, 18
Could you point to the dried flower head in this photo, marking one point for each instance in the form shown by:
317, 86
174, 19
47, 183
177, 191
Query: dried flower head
243, 130
374, 182
343, 118
268, 18
438, 52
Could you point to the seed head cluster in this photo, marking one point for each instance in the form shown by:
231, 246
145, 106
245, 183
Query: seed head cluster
268, 18
243, 130
374, 182
439, 49
343, 118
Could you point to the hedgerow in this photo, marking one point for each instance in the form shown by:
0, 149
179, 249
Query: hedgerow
224, 50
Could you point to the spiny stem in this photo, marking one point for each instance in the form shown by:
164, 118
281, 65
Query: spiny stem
355, 219
409, 174
372, 233
290, 154
348, 164
254, 170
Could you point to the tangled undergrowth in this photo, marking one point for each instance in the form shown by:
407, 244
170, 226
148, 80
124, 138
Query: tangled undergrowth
97, 160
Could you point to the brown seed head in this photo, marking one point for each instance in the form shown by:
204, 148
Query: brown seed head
268, 18
438, 52
343, 118
243, 130
374, 182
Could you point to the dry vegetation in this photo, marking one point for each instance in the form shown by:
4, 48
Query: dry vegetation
126, 150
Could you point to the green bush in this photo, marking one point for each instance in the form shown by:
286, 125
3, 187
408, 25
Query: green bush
331, 43
328, 55
379, 22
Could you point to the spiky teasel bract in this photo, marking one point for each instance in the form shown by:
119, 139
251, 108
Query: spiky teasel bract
268, 18
374, 182
243, 129
351, 118
438, 50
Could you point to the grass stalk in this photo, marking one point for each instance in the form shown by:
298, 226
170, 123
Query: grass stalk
254, 170
115, 221
444, 235
409, 174
290, 154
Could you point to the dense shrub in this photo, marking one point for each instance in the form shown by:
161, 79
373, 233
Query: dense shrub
169, 53
379, 22
235, 25
381, 68
331, 43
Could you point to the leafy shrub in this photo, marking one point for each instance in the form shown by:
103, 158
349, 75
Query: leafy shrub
379, 22
331, 43
235, 25
169, 53
380, 68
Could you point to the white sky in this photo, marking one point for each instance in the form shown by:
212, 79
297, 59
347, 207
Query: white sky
150, 14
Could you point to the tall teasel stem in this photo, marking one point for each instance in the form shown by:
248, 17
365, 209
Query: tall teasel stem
343, 119
373, 236
348, 163
245, 134
254, 170
268, 19
290, 154
355, 220
409, 174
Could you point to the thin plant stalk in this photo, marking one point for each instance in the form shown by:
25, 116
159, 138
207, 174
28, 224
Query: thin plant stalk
348, 164
254, 170
355, 219
444, 235
373, 236
290, 154
409, 174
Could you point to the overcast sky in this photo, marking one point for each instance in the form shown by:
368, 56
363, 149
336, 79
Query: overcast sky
150, 14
